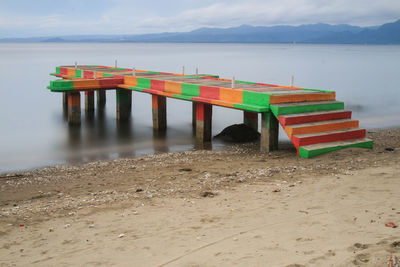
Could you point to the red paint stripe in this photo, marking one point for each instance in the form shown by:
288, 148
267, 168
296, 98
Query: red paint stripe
313, 118
202, 100
87, 74
211, 92
157, 85
203, 112
332, 137
63, 71
268, 84
106, 82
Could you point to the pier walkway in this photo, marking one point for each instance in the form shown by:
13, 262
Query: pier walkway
313, 119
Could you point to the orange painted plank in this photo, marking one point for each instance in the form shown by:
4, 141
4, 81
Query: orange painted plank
130, 80
173, 87
82, 84
320, 128
222, 103
71, 72
279, 99
231, 95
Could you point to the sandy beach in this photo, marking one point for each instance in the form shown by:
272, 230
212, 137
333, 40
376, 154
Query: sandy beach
237, 207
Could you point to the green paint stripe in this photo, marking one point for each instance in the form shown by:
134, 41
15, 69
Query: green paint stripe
250, 108
108, 74
61, 84
246, 82
256, 98
136, 88
304, 153
78, 73
183, 97
190, 89
144, 83
58, 70
317, 90
306, 108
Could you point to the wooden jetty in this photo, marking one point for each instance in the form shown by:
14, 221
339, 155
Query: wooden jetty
314, 121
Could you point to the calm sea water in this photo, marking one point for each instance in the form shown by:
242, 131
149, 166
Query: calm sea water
34, 133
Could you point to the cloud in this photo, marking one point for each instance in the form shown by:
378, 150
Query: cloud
137, 16
277, 12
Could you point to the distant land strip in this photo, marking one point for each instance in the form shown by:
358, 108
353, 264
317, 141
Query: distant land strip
320, 33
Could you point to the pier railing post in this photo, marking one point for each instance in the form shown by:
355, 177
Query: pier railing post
251, 119
159, 110
269, 132
74, 108
124, 104
203, 122
101, 99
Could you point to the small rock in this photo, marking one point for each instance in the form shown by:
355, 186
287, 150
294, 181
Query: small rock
208, 194
121, 235
67, 226
91, 225
391, 224
51, 230
276, 190
389, 149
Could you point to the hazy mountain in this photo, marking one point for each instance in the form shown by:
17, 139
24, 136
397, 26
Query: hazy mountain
314, 33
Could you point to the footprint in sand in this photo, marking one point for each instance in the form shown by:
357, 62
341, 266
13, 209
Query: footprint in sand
361, 258
357, 247
330, 253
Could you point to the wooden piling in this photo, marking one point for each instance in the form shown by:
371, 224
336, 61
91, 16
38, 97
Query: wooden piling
159, 109
269, 132
74, 108
203, 122
124, 104
251, 119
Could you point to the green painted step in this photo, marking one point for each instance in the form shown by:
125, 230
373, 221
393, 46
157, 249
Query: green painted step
318, 149
302, 107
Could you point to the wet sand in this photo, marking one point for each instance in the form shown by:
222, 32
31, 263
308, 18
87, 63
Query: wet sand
208, 208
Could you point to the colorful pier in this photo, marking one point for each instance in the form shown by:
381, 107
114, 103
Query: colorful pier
313, 119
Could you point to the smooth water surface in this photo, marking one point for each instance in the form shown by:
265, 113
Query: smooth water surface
34, 132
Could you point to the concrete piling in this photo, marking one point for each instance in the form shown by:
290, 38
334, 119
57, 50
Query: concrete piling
74, 108
159, 110
203, 122
124, 104
194, 107
101, 99
269, 132
251, 119
89, 101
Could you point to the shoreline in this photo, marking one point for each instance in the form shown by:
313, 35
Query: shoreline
220, 189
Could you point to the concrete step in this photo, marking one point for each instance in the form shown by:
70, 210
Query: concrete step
326, 137
317, 149
322, 126
302, 107
307, 117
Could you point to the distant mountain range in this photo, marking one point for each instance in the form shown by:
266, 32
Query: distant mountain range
314, 33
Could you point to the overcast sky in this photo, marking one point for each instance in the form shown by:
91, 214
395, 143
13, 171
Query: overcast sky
64, 17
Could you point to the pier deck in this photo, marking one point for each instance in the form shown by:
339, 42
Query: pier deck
314, 121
